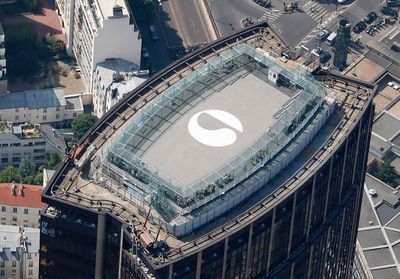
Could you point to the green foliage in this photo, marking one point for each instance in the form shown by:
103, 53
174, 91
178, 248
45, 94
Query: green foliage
82, 124
148, 6
27, 167
10, 174
28, 172
22, 50
55, 46
143, 10
32, 5
386, 172
51, 161
21, 6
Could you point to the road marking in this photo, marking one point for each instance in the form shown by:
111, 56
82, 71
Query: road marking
270, 16
327, 22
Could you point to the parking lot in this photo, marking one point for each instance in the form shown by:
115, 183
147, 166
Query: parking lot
370, 21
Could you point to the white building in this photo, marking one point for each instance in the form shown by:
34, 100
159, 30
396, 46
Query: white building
20, 204
112, 79
28, 141
3, 68
19, 252
97, 30
40, 106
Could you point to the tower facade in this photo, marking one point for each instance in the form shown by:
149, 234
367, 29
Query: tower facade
342, 44
295, 215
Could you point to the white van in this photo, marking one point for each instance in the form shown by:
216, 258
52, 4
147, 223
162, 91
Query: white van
331, 39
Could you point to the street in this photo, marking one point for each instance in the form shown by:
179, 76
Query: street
185, 23
227, 14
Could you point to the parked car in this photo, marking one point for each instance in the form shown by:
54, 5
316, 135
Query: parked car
389, 12
324, 57
322, 35
393, 3
153, 32
359, 27
371, 17
372, 192
145, 52
395, 47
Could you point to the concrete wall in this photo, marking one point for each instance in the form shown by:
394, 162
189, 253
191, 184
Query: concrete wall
117, 39
31, 219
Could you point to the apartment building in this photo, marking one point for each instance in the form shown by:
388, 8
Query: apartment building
20, 204
97, 30
28, 141
112, 79
19, 252
40, 106
3, 65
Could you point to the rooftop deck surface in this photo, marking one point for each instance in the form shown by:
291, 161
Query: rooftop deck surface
184, 159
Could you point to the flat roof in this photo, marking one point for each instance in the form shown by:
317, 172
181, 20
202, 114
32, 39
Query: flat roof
107, 6
387, 126
179, 155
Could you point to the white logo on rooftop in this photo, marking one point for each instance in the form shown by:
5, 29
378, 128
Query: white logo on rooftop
219, 137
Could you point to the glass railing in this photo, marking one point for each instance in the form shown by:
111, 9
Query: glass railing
290, 119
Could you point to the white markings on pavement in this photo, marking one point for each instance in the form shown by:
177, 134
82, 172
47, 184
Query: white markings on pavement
317, 12
270, 16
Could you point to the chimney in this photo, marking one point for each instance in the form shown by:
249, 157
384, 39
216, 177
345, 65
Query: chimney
117, 10
21, 189
13, 188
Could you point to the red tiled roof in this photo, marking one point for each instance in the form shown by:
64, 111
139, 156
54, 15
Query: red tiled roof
31, 195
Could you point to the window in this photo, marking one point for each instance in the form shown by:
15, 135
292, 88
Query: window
13, 271
44, 117
30, 272
1, 264
16, 109
30, 263
2, 272
14, 264
3, 209
57, 108
57, 116
26, 211
15, 219
74, 114
4, 160
45, 110
15, 210
17, 117
16, 159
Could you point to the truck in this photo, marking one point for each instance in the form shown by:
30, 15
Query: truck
331, 39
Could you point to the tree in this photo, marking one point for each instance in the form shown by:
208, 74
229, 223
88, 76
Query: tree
82, 124
31, 4
9, 174
27, 167
148, 6
51, 160
385, 172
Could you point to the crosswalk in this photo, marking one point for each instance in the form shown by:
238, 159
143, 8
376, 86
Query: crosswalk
270, 16
324, 18
315, 11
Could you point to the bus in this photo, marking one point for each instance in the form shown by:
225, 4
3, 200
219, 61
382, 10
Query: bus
331, 39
